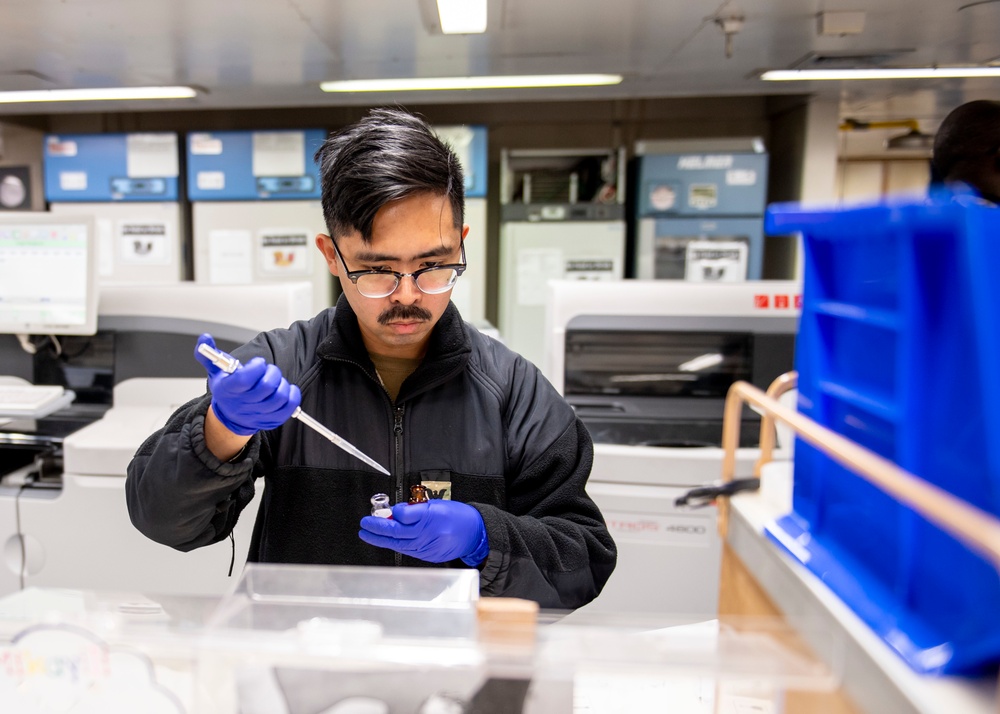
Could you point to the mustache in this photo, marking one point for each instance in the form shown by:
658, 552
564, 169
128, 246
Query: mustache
404, 313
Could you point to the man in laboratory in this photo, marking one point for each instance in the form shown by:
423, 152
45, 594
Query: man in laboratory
395, 371
967, 149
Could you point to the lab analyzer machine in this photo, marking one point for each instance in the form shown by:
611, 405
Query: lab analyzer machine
562, 218
470, 145
700, 210
128, 183
87, 373
255, 201
647, 365
86, 378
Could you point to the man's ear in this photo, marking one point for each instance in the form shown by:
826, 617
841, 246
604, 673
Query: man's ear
465, 231
325, 245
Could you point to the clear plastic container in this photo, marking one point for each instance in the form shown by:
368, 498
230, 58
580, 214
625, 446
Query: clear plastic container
401, 602
323, 638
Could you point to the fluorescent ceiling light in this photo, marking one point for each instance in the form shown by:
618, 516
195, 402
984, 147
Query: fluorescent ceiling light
96, 94
462, 17
494, 82
787, 75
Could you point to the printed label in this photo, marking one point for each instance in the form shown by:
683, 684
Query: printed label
703, 195
710, 161
144, 243
438, 489
741, 177
60, 148
662, 197
205, 145
284, 251
715, 261
211, 180
73, 180
661, 528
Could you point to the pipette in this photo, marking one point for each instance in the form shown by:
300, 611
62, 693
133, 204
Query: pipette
229, 364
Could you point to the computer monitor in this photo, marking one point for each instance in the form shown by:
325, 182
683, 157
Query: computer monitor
47, 274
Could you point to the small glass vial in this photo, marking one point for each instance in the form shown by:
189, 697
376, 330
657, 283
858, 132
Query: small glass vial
418, 494
380, 506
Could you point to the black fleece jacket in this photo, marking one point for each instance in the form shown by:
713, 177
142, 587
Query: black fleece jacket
474, 414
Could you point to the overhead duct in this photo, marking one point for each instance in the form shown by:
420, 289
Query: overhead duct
913, 140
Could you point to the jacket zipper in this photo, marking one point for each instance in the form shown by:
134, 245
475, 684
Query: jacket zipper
397, 429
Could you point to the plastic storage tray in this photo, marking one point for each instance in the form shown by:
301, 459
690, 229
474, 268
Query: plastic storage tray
898, 350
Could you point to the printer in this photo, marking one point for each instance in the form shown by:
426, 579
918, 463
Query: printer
647, 366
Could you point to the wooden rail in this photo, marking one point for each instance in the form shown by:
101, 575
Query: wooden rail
976, 528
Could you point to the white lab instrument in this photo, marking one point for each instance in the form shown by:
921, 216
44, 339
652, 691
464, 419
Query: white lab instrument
469, 144
261, 243
128, 184
562, 218
73, 525
646, 365
136, 242
699, 209
176, 308
256, 212
532, 254
77, 534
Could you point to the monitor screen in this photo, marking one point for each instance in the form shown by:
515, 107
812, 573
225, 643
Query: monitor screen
47, 274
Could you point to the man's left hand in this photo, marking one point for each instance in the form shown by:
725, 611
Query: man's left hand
436, 531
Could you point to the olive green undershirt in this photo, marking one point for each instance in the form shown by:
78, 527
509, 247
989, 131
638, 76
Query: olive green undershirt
393, 371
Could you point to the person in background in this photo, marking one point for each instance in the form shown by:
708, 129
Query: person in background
967, 150
395, 370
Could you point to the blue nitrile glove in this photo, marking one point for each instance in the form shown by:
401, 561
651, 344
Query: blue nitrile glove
436, 531
252, 398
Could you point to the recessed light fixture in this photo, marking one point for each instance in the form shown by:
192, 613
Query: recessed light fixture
96, 94
790, 75
487, 82
462, 17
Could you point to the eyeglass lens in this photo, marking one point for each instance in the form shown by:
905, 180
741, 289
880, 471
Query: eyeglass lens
435, 280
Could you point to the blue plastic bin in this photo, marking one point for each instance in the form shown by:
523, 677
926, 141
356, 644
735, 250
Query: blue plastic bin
899, 350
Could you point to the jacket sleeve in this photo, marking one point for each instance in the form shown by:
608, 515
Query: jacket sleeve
550, 544
178, 493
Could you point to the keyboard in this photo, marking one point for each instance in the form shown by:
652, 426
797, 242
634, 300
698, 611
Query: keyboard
31, 400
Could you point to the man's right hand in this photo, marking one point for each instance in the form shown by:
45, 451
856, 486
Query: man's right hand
252, 398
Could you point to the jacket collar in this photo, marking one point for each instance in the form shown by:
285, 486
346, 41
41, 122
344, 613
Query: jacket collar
447, 350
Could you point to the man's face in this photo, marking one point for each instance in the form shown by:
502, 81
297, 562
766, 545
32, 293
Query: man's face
407, 235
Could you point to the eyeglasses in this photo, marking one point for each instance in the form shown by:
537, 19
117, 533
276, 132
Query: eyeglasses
381, 283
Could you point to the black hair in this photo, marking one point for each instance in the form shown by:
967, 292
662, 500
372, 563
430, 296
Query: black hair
967, 137
388, 155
